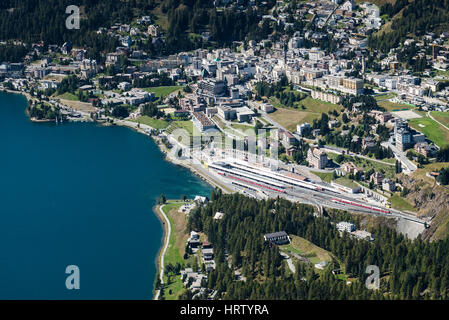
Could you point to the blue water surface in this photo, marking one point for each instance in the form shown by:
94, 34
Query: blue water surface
80, 194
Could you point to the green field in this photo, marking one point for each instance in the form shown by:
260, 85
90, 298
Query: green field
442, 117
242, 127
152, 122
289, 118
162, 92
306, 249
385, 96
392, 106
346, 182
186, 125
173, 254
325, 176
68, 96
399, 203
317, 106
432, 130
175, 249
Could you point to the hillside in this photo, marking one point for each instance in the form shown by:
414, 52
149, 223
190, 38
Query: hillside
377, 2
32, 21
430, 199
410, 18
239, 245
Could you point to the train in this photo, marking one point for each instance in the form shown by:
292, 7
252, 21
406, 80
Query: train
341, 201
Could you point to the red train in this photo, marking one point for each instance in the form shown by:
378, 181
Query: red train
361, 205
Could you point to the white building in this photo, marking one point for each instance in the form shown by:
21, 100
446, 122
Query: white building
345, 226
300, 128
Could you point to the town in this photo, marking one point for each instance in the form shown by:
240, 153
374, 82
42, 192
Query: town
331, 111
330, 139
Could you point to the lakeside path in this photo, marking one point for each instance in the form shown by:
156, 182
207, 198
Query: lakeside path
167, 232
172, 252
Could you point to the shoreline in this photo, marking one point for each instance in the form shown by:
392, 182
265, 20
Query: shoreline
123, 123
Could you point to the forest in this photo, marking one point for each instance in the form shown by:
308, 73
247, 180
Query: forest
224, 26
12, 53
32, 21
42, 111
410, 269
417, 18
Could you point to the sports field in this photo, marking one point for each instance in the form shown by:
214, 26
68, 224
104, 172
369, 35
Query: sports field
432, 130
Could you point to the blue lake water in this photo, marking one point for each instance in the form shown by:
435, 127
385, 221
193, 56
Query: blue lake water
80, 194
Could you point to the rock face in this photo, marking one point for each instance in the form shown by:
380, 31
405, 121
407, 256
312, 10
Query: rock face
432, 201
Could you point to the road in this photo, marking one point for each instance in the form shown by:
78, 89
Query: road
409, 166
289, 261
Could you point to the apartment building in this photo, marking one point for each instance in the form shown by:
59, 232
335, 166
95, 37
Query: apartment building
317, 158
327, 97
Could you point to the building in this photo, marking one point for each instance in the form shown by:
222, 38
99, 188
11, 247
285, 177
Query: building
402, 134
113, 59
362, 235
277, 238
388, 185
125, 86
383, 117
208, 253
326, 97
218, 216
377, 178
266, 107
200, 200
290, 151
352, 86
154, 30
348, 6
194, 239
345, 226
302, 128
288, 139
349, 167
212, 88
425, 149
226, 112
368, 143
244, 114
317, 158
202, 122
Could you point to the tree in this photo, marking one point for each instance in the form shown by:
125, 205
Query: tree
120, 112
162, 199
